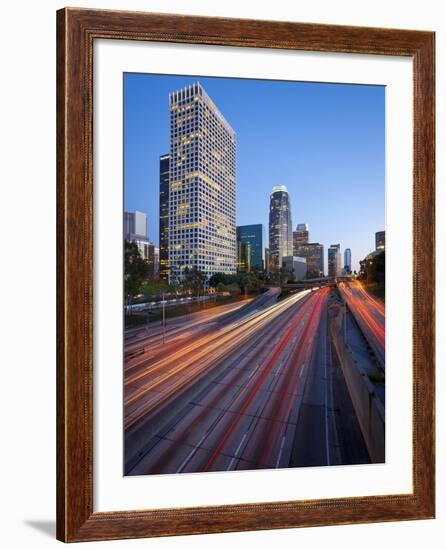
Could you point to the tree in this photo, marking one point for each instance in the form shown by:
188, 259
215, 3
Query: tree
373, 268
224, 278
152, 289
248, 282
136, 270
194, 279
233, 289
220, 287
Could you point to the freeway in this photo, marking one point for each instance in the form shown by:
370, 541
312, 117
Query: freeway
226, 395
137, 339
369, 313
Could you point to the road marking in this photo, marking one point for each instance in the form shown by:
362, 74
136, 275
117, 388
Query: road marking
189, 456
280, 451
235, 457
324, 347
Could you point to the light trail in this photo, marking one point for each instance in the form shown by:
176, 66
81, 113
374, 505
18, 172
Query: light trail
202, 355
370, 315
260, 343
269, 365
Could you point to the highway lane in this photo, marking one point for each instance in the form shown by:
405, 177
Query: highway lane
137, 338
245, 413
327, 432
161, 375
369, 314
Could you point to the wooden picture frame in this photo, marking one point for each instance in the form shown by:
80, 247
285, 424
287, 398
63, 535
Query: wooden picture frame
76, 31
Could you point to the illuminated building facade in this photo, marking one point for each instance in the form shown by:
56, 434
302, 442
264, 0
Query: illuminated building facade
295, 266
334, 260
202, 186
244, 256
164, 217
300, 237
267, 261
314, 255
135, 225
380, 240
347, 261
250, 240
280, 227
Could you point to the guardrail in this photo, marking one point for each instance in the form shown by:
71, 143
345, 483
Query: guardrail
368, 407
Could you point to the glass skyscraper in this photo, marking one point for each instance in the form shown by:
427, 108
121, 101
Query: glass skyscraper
135, 225
164, 217
314, 254
280, 227
300, 237
334, 260
347, 261
250, 241
202, 186
380, 240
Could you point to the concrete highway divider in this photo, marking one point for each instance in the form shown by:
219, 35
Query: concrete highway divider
368, 407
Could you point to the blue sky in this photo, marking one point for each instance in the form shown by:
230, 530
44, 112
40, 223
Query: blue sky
325, 142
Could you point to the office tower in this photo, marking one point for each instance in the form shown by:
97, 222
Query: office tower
202, 186
380, 240
267, 260
300, 237
144, 246
334, 260
244, 256
153, 261
314, 255
251, 235
280, 227
347, 261
164, 217
135, 225
295, 266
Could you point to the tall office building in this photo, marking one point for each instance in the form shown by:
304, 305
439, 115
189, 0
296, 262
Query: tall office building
300, 237
295, 267
164, 217
202, 186
153, 261
244, 256
251, 235
280, 227
334, 260
314, 254
144, 246
380, 240
135, 225
347, 261
267, 260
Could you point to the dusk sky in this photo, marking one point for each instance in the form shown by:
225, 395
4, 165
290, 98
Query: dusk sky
325, 142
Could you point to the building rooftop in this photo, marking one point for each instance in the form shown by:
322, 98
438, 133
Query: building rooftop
197, 89
277, 188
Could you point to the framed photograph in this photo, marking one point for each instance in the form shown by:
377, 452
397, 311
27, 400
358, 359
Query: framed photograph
245, 275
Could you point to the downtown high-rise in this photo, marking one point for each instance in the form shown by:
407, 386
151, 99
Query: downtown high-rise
347, 261
380, 240
300, 237
202, 186
334, 260
135, 225
280, 227
314, 254
250, 247
164, 217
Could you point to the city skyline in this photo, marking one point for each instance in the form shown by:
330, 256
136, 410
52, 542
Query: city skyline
202, 390
145, 143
